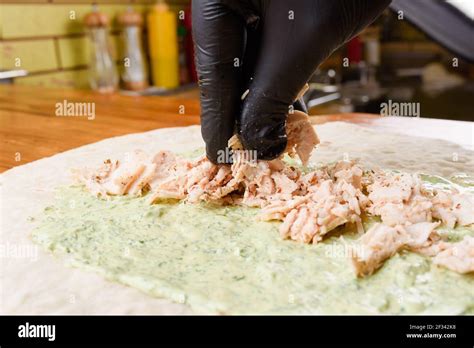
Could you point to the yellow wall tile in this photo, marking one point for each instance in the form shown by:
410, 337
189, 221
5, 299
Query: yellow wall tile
116, 2
35, 55
24, 1
75, 51
29, 20
60, 79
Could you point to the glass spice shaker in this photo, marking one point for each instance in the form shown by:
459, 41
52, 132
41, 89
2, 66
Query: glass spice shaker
102, 69
134, 72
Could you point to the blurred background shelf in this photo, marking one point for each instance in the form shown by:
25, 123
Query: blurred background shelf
392, 60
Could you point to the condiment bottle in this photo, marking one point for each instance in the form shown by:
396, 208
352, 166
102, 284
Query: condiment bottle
102, 69
163, 46
134, 72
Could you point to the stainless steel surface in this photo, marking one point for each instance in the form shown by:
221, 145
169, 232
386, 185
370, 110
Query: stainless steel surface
9, 74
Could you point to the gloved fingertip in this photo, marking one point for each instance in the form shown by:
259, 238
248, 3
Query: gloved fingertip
300, 105
267, 146
271, 152
219, 156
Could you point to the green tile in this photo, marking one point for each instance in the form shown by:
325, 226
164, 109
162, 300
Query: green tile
60, 79
34, 55
29, 20
73, 51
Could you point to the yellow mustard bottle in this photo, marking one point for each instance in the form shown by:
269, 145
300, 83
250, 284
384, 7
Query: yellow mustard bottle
163, 46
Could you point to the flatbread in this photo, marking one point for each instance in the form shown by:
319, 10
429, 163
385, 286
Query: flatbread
33, 281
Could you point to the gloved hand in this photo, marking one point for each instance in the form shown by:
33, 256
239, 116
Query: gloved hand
271, 47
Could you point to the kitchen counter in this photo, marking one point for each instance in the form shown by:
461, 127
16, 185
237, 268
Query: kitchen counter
30, 129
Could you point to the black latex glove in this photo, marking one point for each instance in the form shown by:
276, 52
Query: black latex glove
271, 47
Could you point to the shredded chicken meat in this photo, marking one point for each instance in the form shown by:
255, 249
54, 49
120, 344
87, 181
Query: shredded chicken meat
309, 205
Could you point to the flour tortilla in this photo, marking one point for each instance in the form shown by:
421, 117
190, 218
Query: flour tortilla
33, 281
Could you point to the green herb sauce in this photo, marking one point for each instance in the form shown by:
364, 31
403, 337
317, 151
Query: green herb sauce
223, 260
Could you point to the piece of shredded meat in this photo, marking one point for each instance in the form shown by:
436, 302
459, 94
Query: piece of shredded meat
458, 257
301, 136
383, 241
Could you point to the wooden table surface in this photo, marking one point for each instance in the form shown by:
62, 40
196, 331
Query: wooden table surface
30, 129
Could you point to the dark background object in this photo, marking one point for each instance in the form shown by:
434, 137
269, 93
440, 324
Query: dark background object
441, 21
